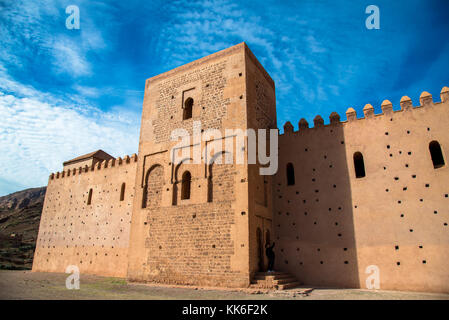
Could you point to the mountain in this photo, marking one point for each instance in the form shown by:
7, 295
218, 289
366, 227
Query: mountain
20, 214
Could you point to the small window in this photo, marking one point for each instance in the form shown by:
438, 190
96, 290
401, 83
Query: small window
122, 192
436, 154
188, 108
185, 186
290, 174
359, 165
89, 197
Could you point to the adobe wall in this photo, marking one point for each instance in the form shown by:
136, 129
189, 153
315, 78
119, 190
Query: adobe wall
330, 226
261, 101
81, 163
93, 237
202, 240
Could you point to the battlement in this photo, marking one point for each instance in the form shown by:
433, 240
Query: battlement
101, 165
349, 195
425, 99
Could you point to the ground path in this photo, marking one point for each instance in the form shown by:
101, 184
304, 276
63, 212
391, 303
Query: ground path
29, 285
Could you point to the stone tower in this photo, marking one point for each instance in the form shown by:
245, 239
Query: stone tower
355, 203
199, 215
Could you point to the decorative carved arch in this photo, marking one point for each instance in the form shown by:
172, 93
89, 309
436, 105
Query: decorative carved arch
209, 174
176, 180
260, 257
186, 185
146, 186
267, 237
175, 173
211, 162
188, 109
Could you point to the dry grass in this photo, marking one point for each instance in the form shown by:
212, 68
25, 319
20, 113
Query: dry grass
29, 285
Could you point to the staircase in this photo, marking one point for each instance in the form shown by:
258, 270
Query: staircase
274, 280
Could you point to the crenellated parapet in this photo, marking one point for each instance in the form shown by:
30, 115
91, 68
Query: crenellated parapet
318, 121
334, 118
444, 94
303, 124
425, 100
368, 111
406, 103
101, 165
387, 107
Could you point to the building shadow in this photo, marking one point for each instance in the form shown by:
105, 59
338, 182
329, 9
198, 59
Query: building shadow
313, 215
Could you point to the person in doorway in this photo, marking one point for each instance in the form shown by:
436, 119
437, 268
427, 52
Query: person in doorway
270, 255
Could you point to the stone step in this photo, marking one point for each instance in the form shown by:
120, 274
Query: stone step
274, 280
268, 280
260, 286
274, 273
260, 281
286, 280
288, 285
284, 286
273, 276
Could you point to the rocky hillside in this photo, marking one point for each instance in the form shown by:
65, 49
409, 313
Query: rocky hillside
20, 214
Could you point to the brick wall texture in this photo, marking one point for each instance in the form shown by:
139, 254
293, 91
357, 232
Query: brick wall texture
329, 226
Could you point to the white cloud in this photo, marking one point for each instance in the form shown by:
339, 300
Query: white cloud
87, 91
38, 133
36, 30
199, 29
68, 58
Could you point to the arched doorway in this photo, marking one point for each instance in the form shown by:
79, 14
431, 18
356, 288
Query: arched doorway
267, 237
259, 250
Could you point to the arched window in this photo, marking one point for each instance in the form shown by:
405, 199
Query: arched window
89, 197
359, 165
188, 108
185, 187
290, 174
122, 192
436, 154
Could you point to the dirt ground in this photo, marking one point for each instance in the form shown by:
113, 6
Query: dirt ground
28, 285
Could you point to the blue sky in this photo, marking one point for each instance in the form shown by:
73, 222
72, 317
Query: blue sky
68, 92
